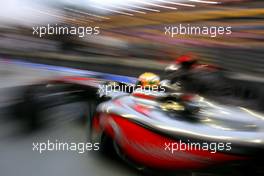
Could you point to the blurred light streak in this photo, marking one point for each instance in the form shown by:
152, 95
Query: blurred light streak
126, 9
253, 113
156, 5
143, 8
53, 15
85, 13
84, 16
176, 3
111, 10
205, 2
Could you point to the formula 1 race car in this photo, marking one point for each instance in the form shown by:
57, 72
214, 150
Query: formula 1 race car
157, 130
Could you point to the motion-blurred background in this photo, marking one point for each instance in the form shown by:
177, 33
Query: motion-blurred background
134, 31
131, 41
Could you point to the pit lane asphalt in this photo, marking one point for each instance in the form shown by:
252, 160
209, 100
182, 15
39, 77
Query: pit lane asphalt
16, 154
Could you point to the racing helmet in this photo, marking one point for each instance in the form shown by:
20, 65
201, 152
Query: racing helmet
182, 62
148, 79
186, 61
